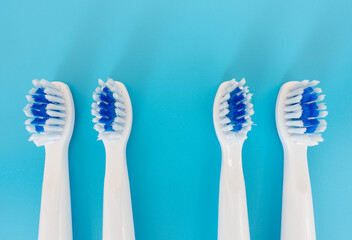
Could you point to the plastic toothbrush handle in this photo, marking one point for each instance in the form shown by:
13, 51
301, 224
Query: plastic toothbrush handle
117, 213
297, 205
233, 216
55, 211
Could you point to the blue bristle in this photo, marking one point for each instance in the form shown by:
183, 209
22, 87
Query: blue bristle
107, 113
239, 121
235, 91
311, 129
309, 110
40, 98
313, 97
108, 128
106, 120
235, 113
234, 99
309, 95
237, 128
107, 109
40, 110
310, 122
39, 121
309, 115
309, 118
38, 106
40, 91
107, 95
236, 109
39, 128
107, 105
39, 113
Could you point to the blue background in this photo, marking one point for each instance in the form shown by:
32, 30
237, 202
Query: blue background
172, 56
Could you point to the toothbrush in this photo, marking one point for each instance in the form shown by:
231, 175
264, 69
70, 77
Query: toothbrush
300, 121
51, 119
232, 120
113, 120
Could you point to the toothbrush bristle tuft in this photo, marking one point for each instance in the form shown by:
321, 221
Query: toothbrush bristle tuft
236, 110
305, 113
108, 110
46, 112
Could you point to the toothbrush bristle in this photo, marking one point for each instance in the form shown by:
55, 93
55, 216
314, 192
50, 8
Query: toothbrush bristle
305, 113
46, 112
108, 110
236, 110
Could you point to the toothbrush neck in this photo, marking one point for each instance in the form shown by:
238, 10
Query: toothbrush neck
115, 155
232, 155
55, 146
296, 172
296, 152
56, 154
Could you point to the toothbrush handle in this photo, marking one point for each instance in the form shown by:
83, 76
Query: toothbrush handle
297, 206
55, 210
117, 212
233, 216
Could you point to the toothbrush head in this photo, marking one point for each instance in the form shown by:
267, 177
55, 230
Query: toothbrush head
50, 111
112, 111
232, 111
300, 112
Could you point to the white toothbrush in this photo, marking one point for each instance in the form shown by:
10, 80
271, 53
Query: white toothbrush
113, 120
299, 121
51, 119
232, 121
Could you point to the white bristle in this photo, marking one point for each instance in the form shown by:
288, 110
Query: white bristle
42, 136
225, 98
118, 97
233, 130
44, 139
120, 113
99, 127
227, 128
29, 98
299, 85
225, 120
322, 106
304, 101
109, 136
293, 100
101, 83
119, 120
55, 121
98, 90
54, 99
46, 118
307, 138
291, 108
117, 127
114, 130
120, 105
47, 84
295, 123
224, 112
233, 84
297, 130
96, 97
31, 129
322, 114
52, 113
